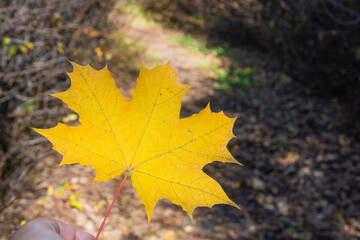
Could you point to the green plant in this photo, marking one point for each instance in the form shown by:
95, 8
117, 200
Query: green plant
12, 51
234, 77
196, 46
28, 106
6, 41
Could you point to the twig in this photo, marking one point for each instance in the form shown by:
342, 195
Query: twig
337, 20
32, 70
48, 8
84, 10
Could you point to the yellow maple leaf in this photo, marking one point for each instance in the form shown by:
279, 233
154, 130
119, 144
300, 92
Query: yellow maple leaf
144, 136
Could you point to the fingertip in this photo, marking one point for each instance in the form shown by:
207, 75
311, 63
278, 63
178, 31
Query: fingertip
70, 232
81, 235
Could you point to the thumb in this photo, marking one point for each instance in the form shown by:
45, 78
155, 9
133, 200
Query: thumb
71, 233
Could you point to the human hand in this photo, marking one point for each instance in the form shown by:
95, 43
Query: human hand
49, 229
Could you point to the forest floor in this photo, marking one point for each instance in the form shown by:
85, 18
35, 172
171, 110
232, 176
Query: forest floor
301, 167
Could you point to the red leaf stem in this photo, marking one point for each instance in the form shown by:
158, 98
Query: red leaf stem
112, 204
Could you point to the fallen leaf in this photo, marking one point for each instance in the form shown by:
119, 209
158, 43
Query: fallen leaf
98, 51
144, 136
257, 183
236, 185
30, 46
60, 47
101, 204
168, 221
70, 118
169, 235
41, 202
290, 158
50, 190
91, 33
74, 202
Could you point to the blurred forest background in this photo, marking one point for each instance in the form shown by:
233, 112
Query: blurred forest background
288, 69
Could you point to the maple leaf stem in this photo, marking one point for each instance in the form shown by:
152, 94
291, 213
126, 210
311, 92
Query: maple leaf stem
112, 204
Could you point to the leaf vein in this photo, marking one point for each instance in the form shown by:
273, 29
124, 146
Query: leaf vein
102, 111
172, 150
149, 117
185, 185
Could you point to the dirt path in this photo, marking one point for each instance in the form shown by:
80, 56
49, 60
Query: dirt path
157, 45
